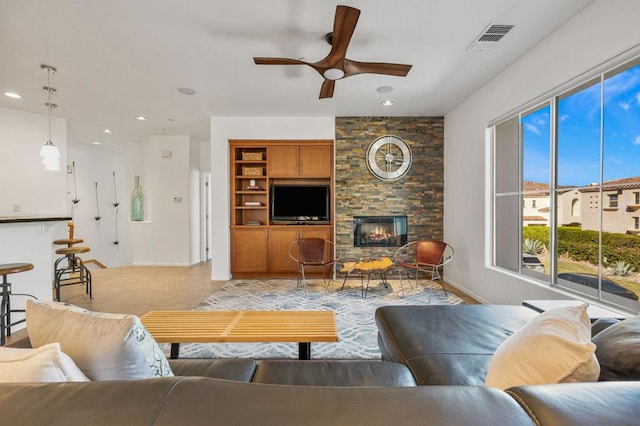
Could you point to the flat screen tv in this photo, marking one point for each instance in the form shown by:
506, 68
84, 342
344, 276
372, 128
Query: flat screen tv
300, 203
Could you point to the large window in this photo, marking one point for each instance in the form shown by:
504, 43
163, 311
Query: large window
566, 189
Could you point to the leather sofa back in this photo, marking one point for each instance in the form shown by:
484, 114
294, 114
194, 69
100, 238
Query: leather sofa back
447, 345
601, 403
205, 401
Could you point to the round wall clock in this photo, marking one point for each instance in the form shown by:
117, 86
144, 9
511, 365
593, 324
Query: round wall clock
389, 158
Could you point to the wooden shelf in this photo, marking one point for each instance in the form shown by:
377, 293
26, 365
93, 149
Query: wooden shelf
263, 248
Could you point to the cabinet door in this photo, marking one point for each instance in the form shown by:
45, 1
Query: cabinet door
249, 250
279, 241
316, 160
283, 161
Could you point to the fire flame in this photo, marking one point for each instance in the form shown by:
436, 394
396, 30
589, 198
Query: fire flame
378, 233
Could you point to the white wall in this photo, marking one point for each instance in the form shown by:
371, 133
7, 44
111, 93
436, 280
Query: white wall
225, 128
163, 238
600, 32
30, 243
205, 200
97, 164
24, 180
194, 202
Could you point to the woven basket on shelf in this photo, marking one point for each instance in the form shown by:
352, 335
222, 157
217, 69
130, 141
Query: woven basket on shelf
252, 171
252, 156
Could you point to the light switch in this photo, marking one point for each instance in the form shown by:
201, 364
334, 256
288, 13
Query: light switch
177, 199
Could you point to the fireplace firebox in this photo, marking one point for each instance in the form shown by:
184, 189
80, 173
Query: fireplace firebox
379, 231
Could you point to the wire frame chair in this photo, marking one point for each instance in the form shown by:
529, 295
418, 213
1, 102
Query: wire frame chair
423, 256
313, 253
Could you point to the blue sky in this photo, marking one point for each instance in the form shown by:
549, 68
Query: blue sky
579, 119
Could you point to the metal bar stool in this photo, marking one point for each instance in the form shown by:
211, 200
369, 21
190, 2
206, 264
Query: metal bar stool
73, 271
5, 305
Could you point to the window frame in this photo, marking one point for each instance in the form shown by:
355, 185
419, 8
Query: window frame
553, 98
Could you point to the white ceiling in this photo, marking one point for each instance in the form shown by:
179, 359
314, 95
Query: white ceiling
120, 58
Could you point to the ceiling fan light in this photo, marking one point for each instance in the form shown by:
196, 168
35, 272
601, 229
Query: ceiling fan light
333, 74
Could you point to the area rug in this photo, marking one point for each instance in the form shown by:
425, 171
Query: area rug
354, 315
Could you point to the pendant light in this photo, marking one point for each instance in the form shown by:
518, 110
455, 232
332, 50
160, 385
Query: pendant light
49, 152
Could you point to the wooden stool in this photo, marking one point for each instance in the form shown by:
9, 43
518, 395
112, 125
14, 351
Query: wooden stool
74, 272
69, 242
5, 305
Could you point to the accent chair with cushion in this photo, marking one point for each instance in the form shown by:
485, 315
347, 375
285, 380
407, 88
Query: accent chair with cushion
313, 253
423, 256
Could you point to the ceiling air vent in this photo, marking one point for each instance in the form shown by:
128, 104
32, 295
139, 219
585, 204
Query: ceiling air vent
490, 36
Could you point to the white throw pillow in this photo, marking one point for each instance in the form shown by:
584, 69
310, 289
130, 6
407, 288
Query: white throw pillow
44, 364
103, 346
553, 347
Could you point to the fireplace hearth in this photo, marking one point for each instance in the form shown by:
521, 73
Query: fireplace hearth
379, 231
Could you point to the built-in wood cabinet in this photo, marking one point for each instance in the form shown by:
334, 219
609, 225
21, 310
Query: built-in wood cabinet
301, 161
258, 246
249, 249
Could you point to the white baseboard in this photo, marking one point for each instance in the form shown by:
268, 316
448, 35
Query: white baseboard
467, 292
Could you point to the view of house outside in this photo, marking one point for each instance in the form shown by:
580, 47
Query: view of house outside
590, 172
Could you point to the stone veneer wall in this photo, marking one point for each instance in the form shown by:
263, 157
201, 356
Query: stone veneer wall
419, 194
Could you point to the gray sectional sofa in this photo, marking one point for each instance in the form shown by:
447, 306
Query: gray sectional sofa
434, 363
447, 345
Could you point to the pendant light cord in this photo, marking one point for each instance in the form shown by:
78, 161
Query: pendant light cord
49, 101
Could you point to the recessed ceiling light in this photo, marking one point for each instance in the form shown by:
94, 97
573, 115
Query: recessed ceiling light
13, 95
96, 143
384, 89
107, 130
388, 102
186, 91
141, 118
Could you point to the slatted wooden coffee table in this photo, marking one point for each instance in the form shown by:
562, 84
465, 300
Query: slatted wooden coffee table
303, 327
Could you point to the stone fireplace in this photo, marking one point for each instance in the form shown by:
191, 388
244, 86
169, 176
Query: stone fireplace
379, 231
419, 194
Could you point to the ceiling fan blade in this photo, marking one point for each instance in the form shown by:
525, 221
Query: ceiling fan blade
344, 25
355, 67
326, 91
278, 61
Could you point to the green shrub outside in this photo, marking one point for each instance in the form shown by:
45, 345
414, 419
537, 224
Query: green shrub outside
582, 245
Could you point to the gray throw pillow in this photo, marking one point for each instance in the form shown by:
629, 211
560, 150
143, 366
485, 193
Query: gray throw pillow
618, 350
601, 324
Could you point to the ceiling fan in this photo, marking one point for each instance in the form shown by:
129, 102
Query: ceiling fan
335, 65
